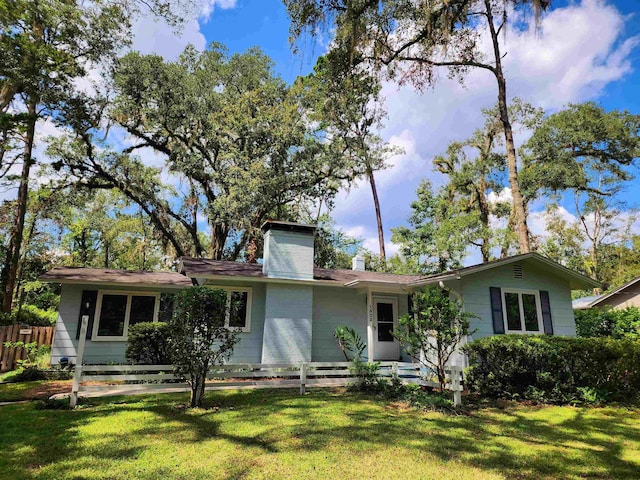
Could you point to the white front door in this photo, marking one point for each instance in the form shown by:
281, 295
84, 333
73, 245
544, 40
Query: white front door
385, 320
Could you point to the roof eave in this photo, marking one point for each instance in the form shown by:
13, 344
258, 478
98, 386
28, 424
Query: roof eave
249, 278
62, 281
606, 296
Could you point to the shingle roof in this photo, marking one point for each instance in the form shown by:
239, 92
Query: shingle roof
203, 267
112, 276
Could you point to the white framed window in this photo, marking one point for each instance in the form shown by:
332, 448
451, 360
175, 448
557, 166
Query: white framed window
116, 311
522, 311
238, 317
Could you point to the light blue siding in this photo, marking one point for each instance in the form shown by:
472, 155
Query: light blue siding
475, 293
65, 343
332, 308
248, 350
287, 323
335, 307
288, 255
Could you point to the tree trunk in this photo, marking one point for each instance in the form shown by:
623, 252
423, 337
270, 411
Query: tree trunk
219, 234
483, 206
519, 210
252, 250
10, 268
197, 391
376, 204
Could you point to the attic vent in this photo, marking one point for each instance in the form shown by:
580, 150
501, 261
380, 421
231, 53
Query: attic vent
517, 272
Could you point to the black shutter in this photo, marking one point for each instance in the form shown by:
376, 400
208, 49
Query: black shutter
546, 312
496, 309
87, 307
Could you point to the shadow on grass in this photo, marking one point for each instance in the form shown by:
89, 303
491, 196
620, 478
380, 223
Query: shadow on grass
522, 442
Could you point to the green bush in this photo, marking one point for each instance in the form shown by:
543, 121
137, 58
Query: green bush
30, 315
147, 344
606, 322
554, 369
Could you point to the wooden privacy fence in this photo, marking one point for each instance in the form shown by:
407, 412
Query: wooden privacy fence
18, 333
130, 379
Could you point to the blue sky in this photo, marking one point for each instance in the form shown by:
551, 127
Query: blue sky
588, 50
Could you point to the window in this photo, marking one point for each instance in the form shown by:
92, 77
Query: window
522, 312
117, 311
238, 307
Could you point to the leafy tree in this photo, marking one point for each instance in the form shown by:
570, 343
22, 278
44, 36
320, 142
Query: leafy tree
424, 36
435, 329
227, 127
332, 247
587, 152
564, 241
437, 237
582, 149
45, 48
345, 100
199, 338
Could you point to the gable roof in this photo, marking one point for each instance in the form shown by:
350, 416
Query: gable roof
617, 291
577, 281
584, 302
109, 276
208, 268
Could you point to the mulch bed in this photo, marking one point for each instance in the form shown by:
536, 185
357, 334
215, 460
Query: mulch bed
44, 391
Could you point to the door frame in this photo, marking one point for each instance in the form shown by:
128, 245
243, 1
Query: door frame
396, 345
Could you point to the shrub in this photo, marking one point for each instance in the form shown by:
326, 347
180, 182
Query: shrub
30, 315
148, 344
433, 332
199, 338
606, 322
367, 376
554, 369
350, 343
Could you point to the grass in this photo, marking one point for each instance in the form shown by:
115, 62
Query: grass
270, 434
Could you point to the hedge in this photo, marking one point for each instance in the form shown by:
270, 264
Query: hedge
147, 344
607, 322
554, 369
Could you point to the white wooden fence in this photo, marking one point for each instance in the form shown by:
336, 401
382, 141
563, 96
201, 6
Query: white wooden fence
99, 380
106, 380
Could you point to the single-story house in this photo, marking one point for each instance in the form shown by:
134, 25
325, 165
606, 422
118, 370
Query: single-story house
628, 295
290, 310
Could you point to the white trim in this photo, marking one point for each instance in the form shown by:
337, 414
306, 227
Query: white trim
520, 292
129, 294
230, 289
394, 304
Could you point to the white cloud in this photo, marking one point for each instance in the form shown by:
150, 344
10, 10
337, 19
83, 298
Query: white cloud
210, 5
155, 36
504, 196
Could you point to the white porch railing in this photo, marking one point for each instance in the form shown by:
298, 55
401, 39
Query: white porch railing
107, 380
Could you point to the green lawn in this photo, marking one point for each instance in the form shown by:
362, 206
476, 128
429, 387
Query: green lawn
325, 434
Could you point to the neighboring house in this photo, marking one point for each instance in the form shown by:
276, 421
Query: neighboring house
290, 309
628, 295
